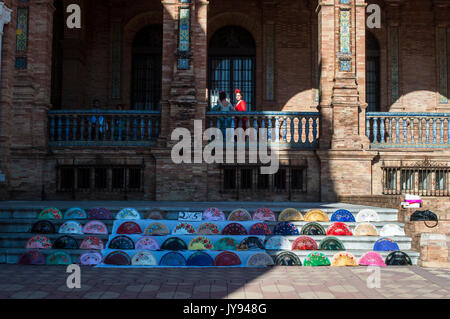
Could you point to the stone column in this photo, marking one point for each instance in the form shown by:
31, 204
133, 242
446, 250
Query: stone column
345, 160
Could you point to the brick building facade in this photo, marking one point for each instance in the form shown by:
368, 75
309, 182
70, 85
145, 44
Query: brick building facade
372, 102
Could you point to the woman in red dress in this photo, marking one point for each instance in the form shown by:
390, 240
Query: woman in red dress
241, 106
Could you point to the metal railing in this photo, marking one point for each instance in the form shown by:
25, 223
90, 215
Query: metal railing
103, 128
291, 129
408, 130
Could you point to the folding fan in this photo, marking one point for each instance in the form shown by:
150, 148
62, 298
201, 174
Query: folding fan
339, 229
200, 243
343, 259
398, 258
260, 260
95, 227
99, 213
58, 258
304, 243
32, 257
157, 229
366, 229
343, 215
43, 227
316, 215
117, 258
200, 259
65, 242
226, 243
252, 243
285, 229
183, 229
213, 214
155, 214
147, 243
38, 242
71, 227
75, 213
264, 214
50, 213
91, 259
287, 258
392, 230
173, 259
234, 229
260, 229
121, 242
208, 229
313, 229
227, 258
129, 228
144, 258
385, 244
316, 259
278, 243
239, 215
128, 213
92, 242
174, 243
290, 214
372, 258
331, 243
367, 215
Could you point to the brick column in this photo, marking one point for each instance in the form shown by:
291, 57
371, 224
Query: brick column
345, 160
441, 13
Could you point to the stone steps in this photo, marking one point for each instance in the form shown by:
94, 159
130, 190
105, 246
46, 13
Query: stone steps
358, 253
12, 255
19, 240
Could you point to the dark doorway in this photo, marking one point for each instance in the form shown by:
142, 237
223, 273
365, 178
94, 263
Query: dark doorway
372, 73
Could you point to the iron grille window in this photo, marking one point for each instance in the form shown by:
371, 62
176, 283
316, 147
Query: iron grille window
263, 181
232, 52
84, 178
298, 178
100, 178
422, 181
67, 178
246, 179
372, 73
118, 178
229, 178
280, 179
134, 178
147, 69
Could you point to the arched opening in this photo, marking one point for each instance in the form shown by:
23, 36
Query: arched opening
372, 73
231, 65
147, 69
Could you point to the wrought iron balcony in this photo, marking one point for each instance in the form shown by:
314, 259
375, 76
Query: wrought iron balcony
292, 129
103, 128
408, 130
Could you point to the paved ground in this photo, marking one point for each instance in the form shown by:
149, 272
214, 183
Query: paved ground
280, 282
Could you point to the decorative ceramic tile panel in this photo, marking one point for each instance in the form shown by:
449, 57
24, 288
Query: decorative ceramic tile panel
22, 29
394, 64
116, 60
443, 75
184, 39
21, 63
345, 31
270, 61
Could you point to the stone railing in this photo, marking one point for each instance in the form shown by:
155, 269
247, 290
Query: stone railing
103, 128
291, 129
408, 130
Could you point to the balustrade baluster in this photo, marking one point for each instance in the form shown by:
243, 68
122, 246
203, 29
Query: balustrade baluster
142, 128
52, 128
441, 140
300, 130
448, 132
375, 130
277, 129
127, 129
59, 128
119, 123
269, 128
81, 128
157, 127
255, 126
382, 132
411, 121
113, 127
284, 129
397, 130
307, 129
89, 123
368, 127
97, 128
427, 131
391, 136
315, 137
434, 131
67, 128
74, 129
405, 130
135, 128
292, 125
149, 128
420, 131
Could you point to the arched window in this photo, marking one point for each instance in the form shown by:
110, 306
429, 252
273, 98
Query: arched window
147, 69
372, 73
232, 52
